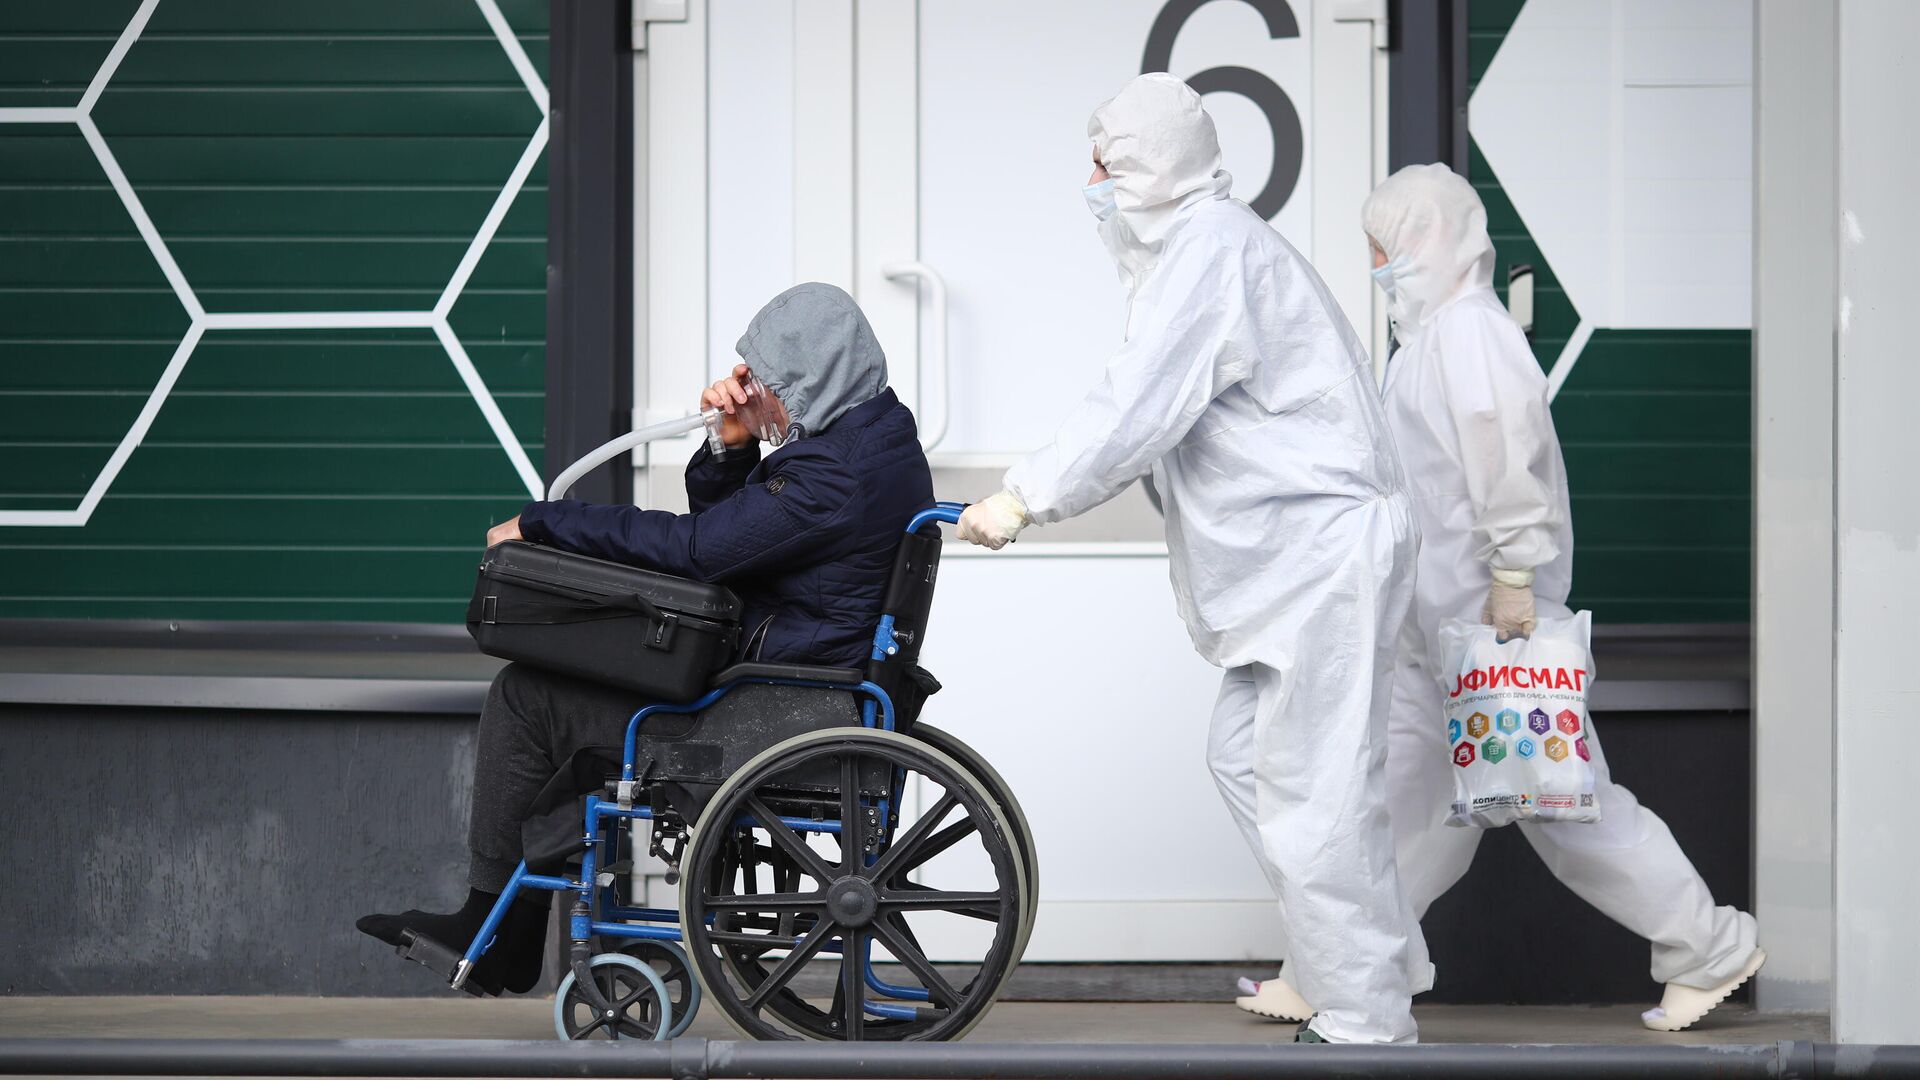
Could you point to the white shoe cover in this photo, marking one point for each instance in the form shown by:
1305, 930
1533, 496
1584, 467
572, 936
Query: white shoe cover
1681, 1007
1273, 998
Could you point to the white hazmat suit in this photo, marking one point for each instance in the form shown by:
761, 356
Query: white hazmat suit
1467, 403
1244, 391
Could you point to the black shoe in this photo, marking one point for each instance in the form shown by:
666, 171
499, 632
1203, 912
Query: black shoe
1307, 1034
513, 962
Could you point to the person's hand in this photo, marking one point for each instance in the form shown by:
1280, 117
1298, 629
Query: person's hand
506, 530
1509, 607
727, 395
994, 521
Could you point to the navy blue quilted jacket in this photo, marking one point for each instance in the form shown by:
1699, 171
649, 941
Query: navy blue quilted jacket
806, 537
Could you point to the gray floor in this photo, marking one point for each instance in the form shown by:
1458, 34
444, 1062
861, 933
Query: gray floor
532, 1018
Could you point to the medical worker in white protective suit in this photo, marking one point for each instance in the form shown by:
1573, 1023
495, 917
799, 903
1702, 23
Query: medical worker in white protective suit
1244, 391
1468, 407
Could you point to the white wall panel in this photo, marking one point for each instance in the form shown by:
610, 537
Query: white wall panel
677, 250
1622, 131
1796, 237
1005, 92
750, 136
1076, 678
1876, 703
823, 142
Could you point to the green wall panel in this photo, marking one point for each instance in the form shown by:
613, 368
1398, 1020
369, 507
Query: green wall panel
329, 157
1656, 427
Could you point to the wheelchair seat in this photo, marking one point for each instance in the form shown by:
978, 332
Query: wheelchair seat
797, 672
753, 705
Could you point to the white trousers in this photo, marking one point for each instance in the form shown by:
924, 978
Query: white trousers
1299, 753
1627, 864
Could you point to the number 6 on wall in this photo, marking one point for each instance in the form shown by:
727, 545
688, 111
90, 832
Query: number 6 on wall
1289, 143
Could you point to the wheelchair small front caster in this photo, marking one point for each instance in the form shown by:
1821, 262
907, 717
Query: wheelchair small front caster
641, 1007
671, 964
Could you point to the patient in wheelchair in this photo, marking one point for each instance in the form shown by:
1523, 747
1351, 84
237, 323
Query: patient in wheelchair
804, 532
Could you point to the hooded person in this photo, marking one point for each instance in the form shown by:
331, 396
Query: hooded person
1469, 409
1245, 394
805, 534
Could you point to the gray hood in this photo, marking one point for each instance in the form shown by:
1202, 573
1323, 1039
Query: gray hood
812, 346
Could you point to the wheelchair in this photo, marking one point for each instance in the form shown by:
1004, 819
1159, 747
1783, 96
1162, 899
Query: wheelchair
809, 821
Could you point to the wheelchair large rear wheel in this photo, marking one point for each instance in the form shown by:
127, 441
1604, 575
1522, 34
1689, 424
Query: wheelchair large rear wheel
753, 860
829, 899
1002, 793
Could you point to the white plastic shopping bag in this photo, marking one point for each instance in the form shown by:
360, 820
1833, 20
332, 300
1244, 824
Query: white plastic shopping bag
1517, 722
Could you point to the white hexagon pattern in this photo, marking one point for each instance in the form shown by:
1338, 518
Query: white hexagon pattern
1622, 132
202, 320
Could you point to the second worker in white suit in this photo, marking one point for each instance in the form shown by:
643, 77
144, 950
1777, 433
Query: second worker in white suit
1468, 405
1244, 392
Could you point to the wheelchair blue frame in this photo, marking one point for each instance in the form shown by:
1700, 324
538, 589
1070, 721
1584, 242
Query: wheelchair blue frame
603, 818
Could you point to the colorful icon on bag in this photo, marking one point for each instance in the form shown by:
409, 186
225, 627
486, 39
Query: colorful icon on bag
1537, 720
1463, 754
1477, 724
1493, 750
1580, 747
1507, 720
1557, 748
1569, 721
1453, 732
1526, 747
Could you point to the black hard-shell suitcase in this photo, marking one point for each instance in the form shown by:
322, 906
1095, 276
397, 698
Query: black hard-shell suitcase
660, 636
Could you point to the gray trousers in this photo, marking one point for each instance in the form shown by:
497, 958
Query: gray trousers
532, 723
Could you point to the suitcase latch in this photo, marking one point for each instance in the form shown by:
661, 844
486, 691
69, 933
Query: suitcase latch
662, 636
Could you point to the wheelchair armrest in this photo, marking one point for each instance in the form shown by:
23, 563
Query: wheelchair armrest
807, 672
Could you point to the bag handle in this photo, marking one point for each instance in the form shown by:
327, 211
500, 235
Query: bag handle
488, 610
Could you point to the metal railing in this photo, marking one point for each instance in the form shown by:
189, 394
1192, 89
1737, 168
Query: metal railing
701, 1059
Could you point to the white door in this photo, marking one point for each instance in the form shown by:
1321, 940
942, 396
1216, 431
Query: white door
837, 139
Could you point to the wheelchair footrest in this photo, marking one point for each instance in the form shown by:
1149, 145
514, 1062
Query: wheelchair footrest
436, 957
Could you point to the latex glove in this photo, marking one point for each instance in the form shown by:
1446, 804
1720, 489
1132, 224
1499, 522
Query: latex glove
994, 521
1509, 606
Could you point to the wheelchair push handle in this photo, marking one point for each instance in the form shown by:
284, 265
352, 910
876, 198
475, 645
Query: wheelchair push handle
948, 512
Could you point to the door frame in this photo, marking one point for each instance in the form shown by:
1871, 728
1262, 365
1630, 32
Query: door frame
590, 265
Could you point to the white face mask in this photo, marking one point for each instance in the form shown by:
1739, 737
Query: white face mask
1387, 276
1100, 199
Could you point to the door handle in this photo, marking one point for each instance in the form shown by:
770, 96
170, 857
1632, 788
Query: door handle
931, 431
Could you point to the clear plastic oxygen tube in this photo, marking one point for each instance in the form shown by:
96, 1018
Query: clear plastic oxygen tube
613, 448
762, 414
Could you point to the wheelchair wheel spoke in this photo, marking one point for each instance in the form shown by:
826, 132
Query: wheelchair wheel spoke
853, 983
632, 999
812, 901
909, 846
784, 971
984, 912
853, 825
762, 942
788, 840
909, 953
588, 1028
933, 845
937, 900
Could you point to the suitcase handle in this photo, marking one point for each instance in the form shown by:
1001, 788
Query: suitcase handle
586, 607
